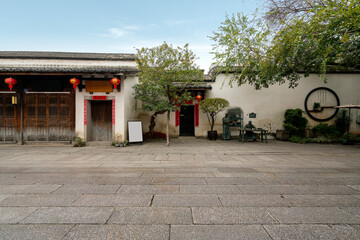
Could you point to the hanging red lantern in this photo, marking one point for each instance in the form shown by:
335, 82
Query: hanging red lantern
199, 97
115, 82
74, 82
11, 82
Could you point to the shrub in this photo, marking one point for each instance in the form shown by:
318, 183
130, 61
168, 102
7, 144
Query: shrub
323, 129
342, 121
294, 122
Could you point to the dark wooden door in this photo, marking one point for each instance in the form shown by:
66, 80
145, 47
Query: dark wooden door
187, 120
8, 118
49, 117
101, 121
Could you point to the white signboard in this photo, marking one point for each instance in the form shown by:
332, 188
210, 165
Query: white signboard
135, 131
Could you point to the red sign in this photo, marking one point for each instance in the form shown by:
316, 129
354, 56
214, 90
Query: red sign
188, 101
177, 117
99, 97
196, 109
113, 112
85, 112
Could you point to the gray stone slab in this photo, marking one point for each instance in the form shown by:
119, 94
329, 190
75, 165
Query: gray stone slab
216, 232
237, 170
254, 201
152, 215
87, 188
209, 189
3, 197
231, 215
353, 210
40, 200
114, 200
30, 232
297, 189
14, 214
356, 187
124, 180
177, 181
13, 189
319, 215
310, 181
323, 200
106, 232
59, 215
186, 201
307, 232
148, 189
233, 180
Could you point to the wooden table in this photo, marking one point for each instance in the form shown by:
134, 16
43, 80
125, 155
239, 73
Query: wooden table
262, 132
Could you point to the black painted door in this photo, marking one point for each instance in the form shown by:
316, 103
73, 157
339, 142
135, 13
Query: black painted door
187, 120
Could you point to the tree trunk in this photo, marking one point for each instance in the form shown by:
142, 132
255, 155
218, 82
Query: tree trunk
167, 129
212, 122
152, 122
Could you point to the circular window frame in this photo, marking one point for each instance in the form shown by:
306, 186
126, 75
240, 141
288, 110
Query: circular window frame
320, 119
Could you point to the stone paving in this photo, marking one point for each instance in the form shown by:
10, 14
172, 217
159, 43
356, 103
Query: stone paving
193, 189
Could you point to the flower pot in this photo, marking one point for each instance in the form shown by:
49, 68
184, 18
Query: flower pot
212, 135
282, 135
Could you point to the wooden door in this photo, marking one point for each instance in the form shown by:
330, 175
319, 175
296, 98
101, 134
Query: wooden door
8, 118
101, 119
48, 117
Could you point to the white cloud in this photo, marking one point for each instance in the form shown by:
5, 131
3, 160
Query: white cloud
117, 32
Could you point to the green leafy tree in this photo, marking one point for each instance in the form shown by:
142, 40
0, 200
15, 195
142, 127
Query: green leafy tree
212, 106
307, 36
164, 74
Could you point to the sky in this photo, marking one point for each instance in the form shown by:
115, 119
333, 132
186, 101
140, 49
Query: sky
115, 26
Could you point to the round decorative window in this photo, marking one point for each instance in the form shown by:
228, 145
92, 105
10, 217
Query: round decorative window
320, 103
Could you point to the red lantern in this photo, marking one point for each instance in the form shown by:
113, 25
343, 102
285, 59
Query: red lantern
11, 82
115, 82
199, 97
74, 82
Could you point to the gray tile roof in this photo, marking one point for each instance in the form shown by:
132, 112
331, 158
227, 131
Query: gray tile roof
67, 55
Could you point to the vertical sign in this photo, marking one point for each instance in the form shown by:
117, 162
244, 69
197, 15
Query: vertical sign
177, 116
85, 112
196, 114
113, 112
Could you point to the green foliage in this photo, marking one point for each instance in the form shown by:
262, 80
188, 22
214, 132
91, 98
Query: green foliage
342, 121
324, 37
79, 142
212, 106
294, 122
324, 130
164, 74
298, 139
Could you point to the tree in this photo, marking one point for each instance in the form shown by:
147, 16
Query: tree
212, 106
164, 74
311, 36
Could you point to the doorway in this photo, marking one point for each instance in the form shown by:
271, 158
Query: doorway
101, 121
187, 120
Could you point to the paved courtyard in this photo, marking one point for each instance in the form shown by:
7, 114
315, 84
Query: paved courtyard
193, 189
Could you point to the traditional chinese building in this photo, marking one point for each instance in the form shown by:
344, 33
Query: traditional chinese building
44, 106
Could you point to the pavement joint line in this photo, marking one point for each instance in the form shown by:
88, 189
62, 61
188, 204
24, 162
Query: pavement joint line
69, 231
273, 217
267, 232
107, 221
169, 231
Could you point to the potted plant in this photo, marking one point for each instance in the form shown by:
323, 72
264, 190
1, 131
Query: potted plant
212, 106
317, 107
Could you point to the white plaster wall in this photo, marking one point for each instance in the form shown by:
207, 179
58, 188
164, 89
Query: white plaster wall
269, 104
